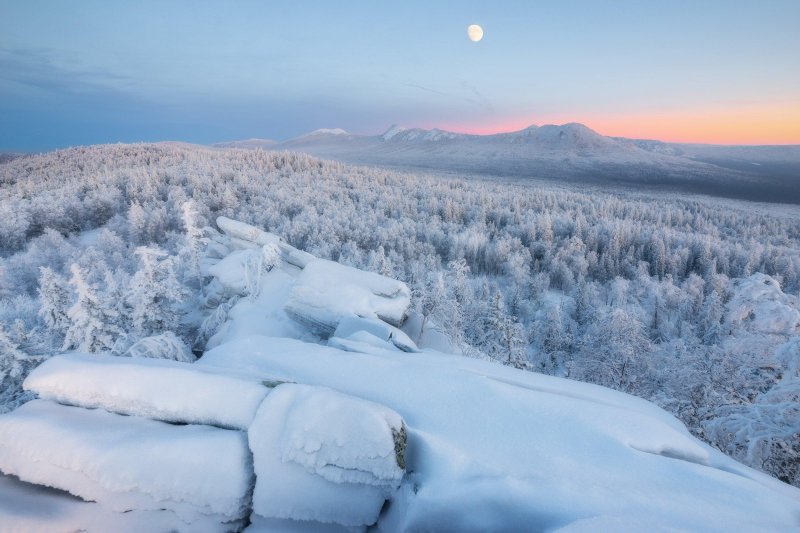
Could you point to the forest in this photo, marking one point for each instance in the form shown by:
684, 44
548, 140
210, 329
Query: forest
689, 302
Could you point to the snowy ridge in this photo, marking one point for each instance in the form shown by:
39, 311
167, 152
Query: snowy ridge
357, 409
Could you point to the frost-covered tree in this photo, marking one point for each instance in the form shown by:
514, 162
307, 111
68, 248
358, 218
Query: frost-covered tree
379, 263
14, 366
154, 294
193, 245
164, 346
711, 318
614, 352
137, 224
555, 338
504, 339
11, 360
55, 297
258, 263
94, 320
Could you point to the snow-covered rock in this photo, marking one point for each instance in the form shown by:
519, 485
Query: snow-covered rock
326, 292
759, 305
301, 441
150, 388
370, 330
29, 508
343, 439
246, 232
128, 463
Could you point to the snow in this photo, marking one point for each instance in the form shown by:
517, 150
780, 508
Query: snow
325, 292
491, 447
285, 489
153, 388
127, 463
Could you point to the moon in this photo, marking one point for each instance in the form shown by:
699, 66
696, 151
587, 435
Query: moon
475, 33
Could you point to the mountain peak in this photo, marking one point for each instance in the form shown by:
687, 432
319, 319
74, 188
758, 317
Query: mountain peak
326, 131
393, 130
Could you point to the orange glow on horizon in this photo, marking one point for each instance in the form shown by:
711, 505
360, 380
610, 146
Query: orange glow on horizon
745, 125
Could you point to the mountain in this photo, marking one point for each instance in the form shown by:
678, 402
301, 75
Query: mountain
571, 152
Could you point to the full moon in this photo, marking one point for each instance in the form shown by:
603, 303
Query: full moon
475, 33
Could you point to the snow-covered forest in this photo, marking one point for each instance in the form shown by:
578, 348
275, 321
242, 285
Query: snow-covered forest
690, 303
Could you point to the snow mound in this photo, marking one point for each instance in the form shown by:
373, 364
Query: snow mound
326, 292
304, 468
759, 305
150, 388
127, 463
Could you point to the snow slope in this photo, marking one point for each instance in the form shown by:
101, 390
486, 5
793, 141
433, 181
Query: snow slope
484, 447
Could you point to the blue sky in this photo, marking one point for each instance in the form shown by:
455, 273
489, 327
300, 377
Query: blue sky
80, 72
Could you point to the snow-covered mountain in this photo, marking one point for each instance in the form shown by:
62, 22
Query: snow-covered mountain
324, 407
568, 152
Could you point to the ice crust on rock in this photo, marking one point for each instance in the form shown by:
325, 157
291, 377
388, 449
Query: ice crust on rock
150, 388
127, 463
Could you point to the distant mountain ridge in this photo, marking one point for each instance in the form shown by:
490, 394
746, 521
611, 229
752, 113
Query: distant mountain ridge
571, 152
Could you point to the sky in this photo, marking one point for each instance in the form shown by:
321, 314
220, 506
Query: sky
85, 72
